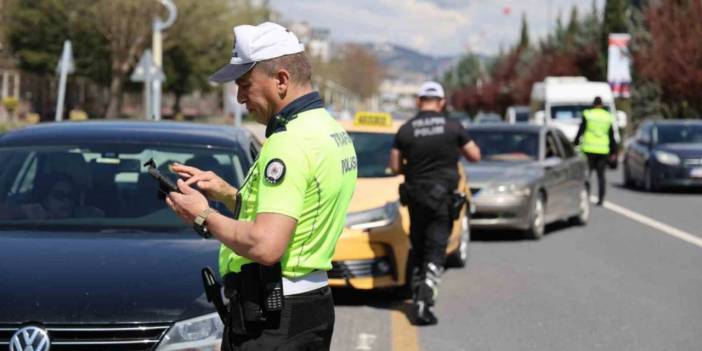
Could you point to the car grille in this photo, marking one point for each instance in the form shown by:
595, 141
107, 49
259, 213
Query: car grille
360, 268
107, 338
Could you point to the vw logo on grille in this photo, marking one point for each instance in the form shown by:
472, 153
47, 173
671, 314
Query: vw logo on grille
30, 339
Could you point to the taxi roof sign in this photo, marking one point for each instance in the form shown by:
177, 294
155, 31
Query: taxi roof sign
373, 119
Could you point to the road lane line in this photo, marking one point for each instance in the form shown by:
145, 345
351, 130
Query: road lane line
665, 228
404, 334
365, 342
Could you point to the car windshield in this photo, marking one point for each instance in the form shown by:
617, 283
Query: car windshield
668, 134
568, 112
373, 153
99, 187
501, 145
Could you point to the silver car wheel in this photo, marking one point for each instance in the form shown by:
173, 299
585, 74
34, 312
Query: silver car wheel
538, 222
465, 238
584, 211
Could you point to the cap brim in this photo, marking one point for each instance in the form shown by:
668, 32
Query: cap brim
231, 72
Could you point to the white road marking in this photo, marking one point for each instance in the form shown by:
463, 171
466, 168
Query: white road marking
365, 341
665, 228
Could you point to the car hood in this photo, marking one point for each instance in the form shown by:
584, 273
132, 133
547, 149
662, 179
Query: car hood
52, 277
685, 150
486, 172
375, 192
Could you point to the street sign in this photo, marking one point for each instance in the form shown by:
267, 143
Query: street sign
66, 59
146, 69
148, 72
64, 68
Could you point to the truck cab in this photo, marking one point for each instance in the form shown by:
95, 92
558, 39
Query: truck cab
560, 102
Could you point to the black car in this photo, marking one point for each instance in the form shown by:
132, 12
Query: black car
90, 257
664, 153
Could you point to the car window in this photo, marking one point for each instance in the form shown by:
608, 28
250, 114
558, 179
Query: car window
566, 144
503, 145
552, 149
100, 186
373, 153
644, 134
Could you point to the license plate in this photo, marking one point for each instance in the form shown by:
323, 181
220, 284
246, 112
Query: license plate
696, 172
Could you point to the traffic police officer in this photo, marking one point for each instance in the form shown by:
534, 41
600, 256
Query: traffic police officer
426, 150
291, 207
597, 142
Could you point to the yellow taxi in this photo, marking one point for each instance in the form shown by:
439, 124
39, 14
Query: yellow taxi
374, 248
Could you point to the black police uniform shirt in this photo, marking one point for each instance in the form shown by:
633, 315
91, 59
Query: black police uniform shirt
430, 143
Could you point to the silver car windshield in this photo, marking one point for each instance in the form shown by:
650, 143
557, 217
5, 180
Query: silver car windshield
99, 187
501, 145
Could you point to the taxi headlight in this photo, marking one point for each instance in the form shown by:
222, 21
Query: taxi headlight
506, 189
201, 333
373, 218
667, 158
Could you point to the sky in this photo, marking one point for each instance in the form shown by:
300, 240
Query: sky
434, 27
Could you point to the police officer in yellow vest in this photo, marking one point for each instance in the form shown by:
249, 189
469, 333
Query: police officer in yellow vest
291, 207
597, 142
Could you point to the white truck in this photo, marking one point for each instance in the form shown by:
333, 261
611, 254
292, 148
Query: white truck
560, 102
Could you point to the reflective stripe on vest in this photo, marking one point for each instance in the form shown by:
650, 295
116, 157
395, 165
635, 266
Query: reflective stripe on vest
596, 137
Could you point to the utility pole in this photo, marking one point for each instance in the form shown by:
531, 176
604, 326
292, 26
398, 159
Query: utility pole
157, 48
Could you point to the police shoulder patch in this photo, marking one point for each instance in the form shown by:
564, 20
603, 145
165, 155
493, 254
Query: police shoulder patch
275, 171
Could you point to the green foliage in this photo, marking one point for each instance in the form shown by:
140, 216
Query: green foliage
36, 30
466, 72
524, 33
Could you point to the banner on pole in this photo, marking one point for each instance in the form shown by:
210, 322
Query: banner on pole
618, 64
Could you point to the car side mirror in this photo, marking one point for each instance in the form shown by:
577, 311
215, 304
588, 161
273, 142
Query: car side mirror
551, 162
539, 117
622, 119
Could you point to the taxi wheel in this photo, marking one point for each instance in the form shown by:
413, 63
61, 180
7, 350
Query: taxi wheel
459, 258
538, 219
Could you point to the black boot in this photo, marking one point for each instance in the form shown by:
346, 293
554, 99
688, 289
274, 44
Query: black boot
423, 306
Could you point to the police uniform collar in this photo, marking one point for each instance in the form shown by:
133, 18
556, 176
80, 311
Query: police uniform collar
421, 114
304, 103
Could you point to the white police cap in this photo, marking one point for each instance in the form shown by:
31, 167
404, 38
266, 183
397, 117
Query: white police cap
257, 43
431, 89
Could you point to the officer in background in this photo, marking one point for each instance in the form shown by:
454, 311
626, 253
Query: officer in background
596, 139
291, 208
426, 151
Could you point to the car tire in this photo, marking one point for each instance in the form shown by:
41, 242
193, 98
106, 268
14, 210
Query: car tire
537, 225
459, 258
626, 175
583, 207
649, 183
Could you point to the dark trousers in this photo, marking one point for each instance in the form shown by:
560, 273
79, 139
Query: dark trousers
306, 323
430, 228
598, 162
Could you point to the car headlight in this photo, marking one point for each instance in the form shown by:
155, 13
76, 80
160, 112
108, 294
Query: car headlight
667, 158
202, 333
373, 218
506, 189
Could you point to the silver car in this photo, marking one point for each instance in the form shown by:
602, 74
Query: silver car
530, 176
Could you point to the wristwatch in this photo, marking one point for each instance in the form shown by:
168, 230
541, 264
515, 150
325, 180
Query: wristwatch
200, 223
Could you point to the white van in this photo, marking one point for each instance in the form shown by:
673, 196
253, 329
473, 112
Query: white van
560, 102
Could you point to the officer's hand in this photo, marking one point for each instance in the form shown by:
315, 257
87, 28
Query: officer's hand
188, 204
211, 184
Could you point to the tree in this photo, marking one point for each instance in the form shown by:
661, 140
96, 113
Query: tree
670, 61
355, 68
524, 35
